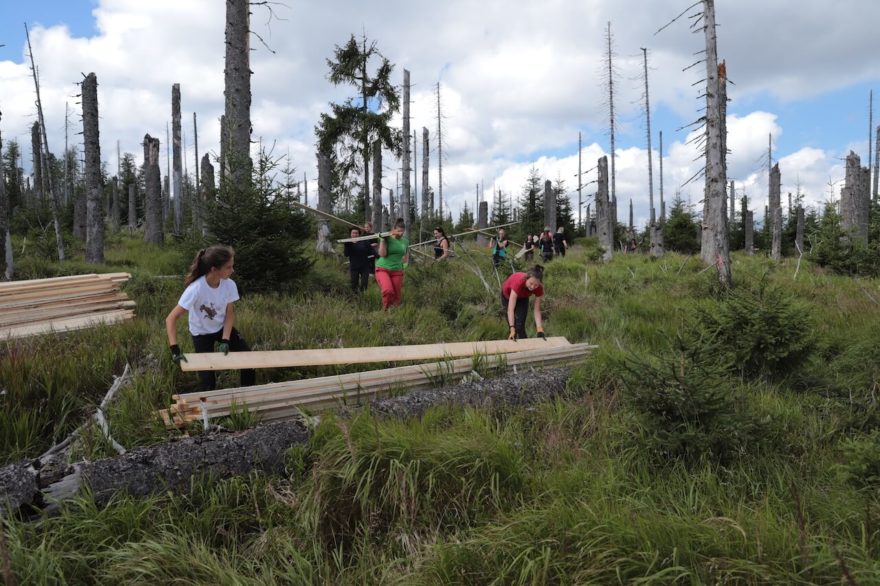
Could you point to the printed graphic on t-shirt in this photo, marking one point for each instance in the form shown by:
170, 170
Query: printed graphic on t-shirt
209, 310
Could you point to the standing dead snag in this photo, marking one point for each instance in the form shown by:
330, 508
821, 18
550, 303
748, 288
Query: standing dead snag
406, 196
715, 247
324, 244
377, 186
132, 207
177, 177
236, 135
604, 218
94, 207
427, 205
37, 151
549, 206
4, 216
153, 198
775, 213
206, 191
855, 199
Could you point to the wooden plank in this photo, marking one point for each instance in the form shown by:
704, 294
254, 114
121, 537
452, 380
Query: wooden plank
90, 300
30, 284
68, 296
329, 356
67, 324
40, 314
274, 394
96, 285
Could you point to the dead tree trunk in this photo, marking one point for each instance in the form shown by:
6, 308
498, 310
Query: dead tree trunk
731, 197
153, 197
196, 200
206, 193
377, 187
549, 206
483, 223
876, 166
610, 63
715, 242
406, 196
4, 214
604, 220
775, 213
439, 155
92, 172
749, 232
37, 150
114, 204
799, 231
236, 144
854, 202
324, 244
427, 208
132, 207
177, 159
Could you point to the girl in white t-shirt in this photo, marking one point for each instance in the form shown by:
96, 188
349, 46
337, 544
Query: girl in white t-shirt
208, 299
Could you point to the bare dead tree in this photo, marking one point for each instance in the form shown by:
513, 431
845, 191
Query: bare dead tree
406, 196
153, 197
609, 62
37, 154
4, 217
236, 141
91, 139
749, 232
197, 201
427, 208
377, 186
132, 207
177, 177
439, 154
876, 165
775, 213
324, 244
604, 221
853, 204
662, 202
870, 125
44, 152
799, 230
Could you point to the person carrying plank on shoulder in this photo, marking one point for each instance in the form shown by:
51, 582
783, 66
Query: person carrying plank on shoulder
359, 254
441, 245
499, 247
393, 257
515, 293
208, 299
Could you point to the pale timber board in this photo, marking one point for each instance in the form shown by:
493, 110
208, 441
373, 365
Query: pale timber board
270, 396
116, 297
37, 294
62, 325
383, 376
40, 314
330, 356
55, 298
32, 284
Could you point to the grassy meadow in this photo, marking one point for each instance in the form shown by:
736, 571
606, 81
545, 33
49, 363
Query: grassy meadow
713, 437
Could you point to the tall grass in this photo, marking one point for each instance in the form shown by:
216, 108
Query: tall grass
568, 492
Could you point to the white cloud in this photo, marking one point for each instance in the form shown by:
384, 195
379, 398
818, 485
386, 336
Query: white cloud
519, 80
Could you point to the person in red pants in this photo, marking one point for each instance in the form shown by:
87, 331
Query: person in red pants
393, 256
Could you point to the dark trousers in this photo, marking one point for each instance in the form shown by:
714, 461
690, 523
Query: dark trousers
205, 343
359, 278
520, 311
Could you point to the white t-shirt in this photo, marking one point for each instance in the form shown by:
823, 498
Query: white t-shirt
207, 305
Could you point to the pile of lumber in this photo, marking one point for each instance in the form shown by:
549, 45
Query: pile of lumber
276, 401
40, 306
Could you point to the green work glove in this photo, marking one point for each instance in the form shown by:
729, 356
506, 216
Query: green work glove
541, 333
176, 355
223, 347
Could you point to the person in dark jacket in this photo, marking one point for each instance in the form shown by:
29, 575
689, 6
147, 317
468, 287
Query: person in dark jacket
545, 244
560, 244
358, 254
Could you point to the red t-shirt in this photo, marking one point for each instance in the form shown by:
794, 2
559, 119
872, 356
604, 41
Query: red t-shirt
517, 283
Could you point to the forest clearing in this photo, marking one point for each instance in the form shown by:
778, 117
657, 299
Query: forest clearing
207, 378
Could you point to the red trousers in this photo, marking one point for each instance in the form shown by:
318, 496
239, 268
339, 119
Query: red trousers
391, 285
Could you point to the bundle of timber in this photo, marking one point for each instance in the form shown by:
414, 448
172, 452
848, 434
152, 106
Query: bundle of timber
283, 400
40, 306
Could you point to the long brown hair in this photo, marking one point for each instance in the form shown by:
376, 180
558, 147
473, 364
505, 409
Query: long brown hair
207, 258
537, 271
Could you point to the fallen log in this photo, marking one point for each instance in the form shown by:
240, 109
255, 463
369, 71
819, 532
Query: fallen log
172, 466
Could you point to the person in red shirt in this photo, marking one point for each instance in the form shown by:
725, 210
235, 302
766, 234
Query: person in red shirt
515, 293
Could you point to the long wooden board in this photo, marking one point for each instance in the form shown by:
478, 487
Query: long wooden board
67, 324
72, 310
29, 284
328, 356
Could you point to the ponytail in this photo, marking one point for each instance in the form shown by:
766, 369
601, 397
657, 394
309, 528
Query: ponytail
207, 258
537, 272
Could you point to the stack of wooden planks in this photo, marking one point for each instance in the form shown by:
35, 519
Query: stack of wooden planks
40, 306
282, 400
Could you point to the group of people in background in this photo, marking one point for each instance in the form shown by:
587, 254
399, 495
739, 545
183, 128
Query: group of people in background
210, 292
547, 243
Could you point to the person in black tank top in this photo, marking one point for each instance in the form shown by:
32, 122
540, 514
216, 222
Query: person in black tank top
441, 244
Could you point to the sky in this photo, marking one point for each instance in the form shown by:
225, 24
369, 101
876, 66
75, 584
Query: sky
519, 80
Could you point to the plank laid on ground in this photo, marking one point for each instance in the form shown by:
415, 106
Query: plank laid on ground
329, 356
115, 297
287, 397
